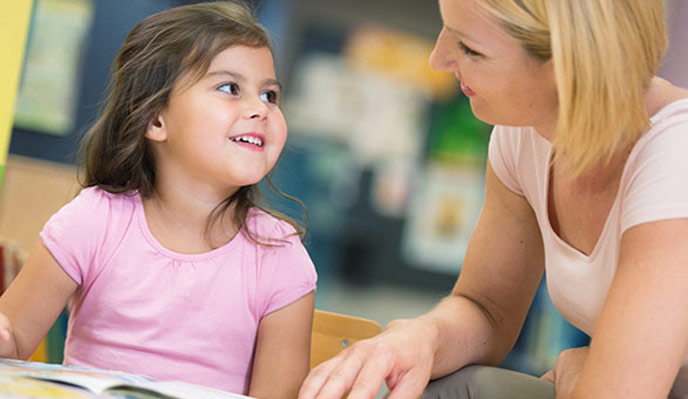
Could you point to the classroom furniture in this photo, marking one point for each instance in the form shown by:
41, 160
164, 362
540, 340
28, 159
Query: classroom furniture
333, 332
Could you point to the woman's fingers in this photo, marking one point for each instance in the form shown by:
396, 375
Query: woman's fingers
377, 366
410, 385
316, 379
393, 356
332, 378
361, 369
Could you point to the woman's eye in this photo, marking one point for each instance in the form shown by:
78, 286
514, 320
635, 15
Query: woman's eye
230, 88
270, 96
469, 51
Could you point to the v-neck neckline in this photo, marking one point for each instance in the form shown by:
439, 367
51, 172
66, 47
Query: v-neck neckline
654, 119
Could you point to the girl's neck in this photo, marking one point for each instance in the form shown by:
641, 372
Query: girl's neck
178, 219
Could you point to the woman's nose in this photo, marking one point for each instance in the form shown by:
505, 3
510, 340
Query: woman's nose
441, 56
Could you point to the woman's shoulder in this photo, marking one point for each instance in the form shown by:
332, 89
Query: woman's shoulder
669, 122
667, 106
663, 96
667, 135
515, 137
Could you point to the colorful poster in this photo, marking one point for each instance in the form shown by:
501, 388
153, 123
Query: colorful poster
400, 55
48, 90
443, 212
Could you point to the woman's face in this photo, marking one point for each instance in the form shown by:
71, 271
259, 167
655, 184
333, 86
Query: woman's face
504, 83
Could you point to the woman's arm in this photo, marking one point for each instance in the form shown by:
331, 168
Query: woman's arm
498, 280
641, 337
478, 323
282, 357
32, 303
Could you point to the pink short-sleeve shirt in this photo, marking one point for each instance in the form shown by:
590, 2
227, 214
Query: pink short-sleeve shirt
144, 309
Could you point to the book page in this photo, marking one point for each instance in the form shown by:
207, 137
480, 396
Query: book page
181, 390
94, 380
99, 381
18, 387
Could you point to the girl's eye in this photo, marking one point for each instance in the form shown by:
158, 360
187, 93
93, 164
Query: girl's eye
230, 88
469, 51
270, 96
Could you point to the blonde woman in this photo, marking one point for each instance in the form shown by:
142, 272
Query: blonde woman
587, 179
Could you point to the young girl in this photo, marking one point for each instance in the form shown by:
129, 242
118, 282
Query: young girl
172, 269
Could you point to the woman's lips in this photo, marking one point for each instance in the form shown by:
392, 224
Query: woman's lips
466, 90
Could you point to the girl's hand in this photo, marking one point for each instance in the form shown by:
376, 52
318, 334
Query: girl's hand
564, 374
7, 345
401, 356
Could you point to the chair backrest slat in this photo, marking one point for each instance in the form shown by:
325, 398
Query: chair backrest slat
333, 332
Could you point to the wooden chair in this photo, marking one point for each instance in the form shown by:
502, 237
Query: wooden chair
332, 332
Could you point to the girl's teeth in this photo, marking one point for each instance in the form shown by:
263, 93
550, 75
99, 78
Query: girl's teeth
250, 139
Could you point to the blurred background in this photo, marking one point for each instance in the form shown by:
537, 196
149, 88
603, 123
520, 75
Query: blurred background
384, 152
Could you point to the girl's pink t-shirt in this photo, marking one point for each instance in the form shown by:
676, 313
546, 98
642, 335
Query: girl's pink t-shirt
144, 309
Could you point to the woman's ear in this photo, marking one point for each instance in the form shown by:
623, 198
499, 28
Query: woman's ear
156, 130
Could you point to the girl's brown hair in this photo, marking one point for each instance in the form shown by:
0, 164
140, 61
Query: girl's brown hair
158, 52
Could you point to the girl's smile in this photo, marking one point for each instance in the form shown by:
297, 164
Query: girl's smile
251, 140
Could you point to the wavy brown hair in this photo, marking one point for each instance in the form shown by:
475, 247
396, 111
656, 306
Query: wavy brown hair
157, 54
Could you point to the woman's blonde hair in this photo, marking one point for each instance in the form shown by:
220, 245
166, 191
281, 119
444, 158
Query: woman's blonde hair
605, 52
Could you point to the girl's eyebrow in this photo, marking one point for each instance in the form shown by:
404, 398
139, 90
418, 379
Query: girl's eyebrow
241, 78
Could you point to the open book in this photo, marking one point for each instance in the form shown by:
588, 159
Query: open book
19, 379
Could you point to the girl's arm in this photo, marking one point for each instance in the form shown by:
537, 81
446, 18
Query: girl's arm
478, 323
641, 337
282, 357
32, 303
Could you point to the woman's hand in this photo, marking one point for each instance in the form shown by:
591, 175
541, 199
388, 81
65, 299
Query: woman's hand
402, 356
564, 374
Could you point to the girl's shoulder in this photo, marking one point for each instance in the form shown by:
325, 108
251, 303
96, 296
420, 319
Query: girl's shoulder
95, 206
88, 227
265, 225
95, 193
95, 198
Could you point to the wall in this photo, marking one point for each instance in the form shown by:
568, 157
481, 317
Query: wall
675, 67
33, 190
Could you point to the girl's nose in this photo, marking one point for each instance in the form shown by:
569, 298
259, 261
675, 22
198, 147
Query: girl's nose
255, 108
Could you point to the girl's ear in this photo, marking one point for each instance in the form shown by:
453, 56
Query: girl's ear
156, 130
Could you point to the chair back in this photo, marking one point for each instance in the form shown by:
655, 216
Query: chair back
333, 332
